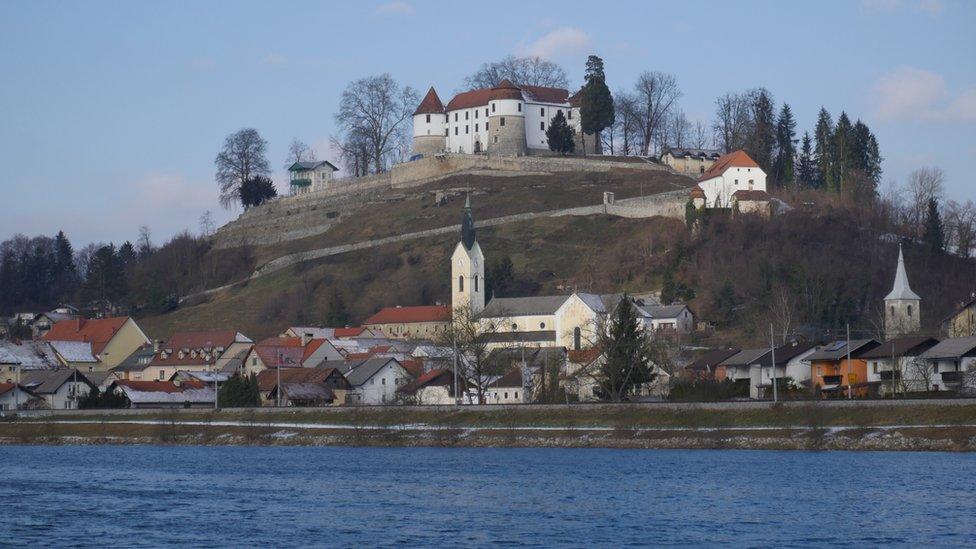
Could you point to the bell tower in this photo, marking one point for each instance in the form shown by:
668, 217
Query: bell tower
903, 313
468, 267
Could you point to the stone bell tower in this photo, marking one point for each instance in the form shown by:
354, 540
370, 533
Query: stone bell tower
468, 267
903, 313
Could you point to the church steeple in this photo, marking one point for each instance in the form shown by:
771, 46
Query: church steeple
468, 267
467, 224
902, 305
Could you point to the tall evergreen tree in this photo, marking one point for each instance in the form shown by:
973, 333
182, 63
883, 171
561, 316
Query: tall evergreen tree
627, 351
843, 137
763, 135
337, 315
823, 152
596, 102
785, 147
806, 167
65, 272
934, 235
560, 135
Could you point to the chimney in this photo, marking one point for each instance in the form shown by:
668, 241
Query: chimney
306, 337
157, 343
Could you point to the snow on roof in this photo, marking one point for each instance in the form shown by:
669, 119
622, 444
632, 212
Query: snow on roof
30, 355
74, 351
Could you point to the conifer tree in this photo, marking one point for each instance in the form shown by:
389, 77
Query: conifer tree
806, 168
823, 151
627, 353
560, 135
337, 315
785, 147
843, 137
763, 136
934, 235
596, 102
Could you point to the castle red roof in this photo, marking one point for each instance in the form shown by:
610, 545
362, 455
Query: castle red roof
431, 104
507, 90
407, 315
98, 332
737, 159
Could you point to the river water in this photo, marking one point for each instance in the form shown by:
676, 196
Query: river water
125, 496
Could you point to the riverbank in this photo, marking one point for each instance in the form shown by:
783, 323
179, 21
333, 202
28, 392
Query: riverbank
944, 425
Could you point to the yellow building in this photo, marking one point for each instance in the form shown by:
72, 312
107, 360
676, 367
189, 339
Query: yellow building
112, 339
962, 321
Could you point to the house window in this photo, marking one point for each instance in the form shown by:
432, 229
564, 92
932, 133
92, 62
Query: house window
577, 337
486, 112
486, 126
475, 283
455, 130
502, 121
569, 114
461, 283
542, 126
542, 111
428, 119
506, 394
516, 395
383, 381
736, 181
254, 361
558, 112
446, 132
162, 375
519, 107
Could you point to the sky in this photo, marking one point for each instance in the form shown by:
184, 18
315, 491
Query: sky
111, 113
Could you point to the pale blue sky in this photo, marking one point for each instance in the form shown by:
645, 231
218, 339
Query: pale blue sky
111, 112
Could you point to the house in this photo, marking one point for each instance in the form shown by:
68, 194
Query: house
135, 364
896, 364
705, 366
15, 397
328, 376
676, 318
752, 202
790, 368
373, 380
60, 389
586, 381
165, 394
423, 321
310, 177
962, 321
435, 387
103, 380
743, 370
289, 352
953, 364
732, 172
830, 367
17, 357
303, 395
690, 162
43, 322
112, 339
507, 389
75, 354
507, 119
196, 352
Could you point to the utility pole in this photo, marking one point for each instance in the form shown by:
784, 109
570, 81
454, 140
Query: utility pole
893, 369
457, 397
772, 350
850, 368
278, 381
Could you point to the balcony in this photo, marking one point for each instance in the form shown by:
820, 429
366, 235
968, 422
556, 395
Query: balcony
887, 375
833, 380
301, 182
952, 377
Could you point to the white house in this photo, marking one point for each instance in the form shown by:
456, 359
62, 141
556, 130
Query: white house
13, 396
953, 364
676, 318
732, 172
909, 372
306, 177
373, 380
61, 389
507, 119
507, 389
790, 365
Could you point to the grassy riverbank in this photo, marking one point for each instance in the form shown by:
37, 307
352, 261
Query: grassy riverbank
859, 426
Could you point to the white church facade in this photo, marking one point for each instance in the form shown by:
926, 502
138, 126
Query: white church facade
507, 119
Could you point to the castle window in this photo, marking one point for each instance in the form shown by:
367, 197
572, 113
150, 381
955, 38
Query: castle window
542, 126
486, 112
467, 128
476, 127
520, 107
476, 114
476, 283
492, 107
455, 117
467, 115
428, 119
461, 283
455, 130
542, 325
909, 311
892, 310
496, 139
446, 132
514, 327
486, 126
542, 111
502, 121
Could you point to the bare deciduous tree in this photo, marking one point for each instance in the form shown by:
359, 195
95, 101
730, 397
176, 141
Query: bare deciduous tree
625, 136
677, 130
700, 135
206, 223
531, 71
242, 158
732, 121
656, 96
471, 338
960, 220
923, 185
299, 151
373, 112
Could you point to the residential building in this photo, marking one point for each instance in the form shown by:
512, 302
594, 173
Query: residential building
962, 321
289, 352
506, 119
903, 312
706, 365
423, 321
112, 339
18, 357
790, 369
310, 177
953, 364
732, 172
329, 377
435, 387
14, 397
676, 318
833, 373
60, 389
744, 370
75, 354
215, 351
165, 394
43, 322
585, 378
373, 380
507, 389
690, 162
896, 364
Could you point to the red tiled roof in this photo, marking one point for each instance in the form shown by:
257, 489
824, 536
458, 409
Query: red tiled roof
349, 332
406, 315
98, 332
755, 195
468, 99
312, 346
583, 356
5, 387
274, 355
281, 342
737, 159
697, 192
506, 90
414, 367
546, 95
440, 376
267, 379
431, 104
194, 341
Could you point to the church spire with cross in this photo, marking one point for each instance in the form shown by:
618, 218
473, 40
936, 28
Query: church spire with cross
903, 314
468, 266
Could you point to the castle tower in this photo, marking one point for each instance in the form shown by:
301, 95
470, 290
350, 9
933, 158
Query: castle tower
468, 267
903, 314
506, 120
430, 125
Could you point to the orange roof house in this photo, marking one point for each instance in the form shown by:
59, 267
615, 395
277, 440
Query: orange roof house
731, 173
424, 321
112, 339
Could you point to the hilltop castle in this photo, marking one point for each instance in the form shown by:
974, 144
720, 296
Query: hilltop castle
507, 119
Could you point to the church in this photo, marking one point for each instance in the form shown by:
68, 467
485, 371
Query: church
507, 120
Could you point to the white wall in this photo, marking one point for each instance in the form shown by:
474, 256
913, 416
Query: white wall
733, 179
435, 127
535, 136
476, 122
381, 388
471, 123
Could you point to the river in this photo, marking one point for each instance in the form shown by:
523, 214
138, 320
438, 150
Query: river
150, 496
